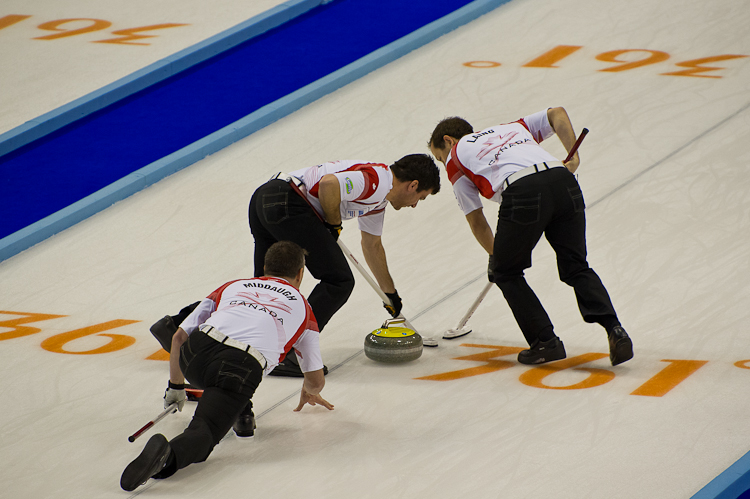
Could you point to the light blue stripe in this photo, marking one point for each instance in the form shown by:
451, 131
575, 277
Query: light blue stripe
730, 484
154, 73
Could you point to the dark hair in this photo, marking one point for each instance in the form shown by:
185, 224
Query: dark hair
284, 259
452, 127
419, 167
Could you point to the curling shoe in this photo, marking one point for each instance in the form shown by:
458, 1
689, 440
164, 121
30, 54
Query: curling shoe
620, 345
542, 352
244, 426
166, 327
151, 460
289, 367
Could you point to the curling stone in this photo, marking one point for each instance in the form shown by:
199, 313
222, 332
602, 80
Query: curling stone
391, 343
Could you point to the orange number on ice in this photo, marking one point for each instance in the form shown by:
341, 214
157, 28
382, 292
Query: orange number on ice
482, 64
675, 373
128, 35
549, 58
490, 365
696, 67
117, 341
95, 25
653, 57
17, 329
535, 377
159, 355
11, 20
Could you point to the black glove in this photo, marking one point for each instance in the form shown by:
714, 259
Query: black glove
335, 230
490, 274
395, 308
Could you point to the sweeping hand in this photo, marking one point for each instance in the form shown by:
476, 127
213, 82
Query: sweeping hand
335, 230
396, 305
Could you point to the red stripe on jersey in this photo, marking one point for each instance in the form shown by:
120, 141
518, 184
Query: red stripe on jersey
309, 323
537, 138
522, 122
484, 186
453, 171
216, 295
312, 322
371, 178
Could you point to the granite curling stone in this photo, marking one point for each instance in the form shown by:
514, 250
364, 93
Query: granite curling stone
393, 344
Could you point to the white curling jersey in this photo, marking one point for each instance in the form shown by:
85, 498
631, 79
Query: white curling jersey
266, 313
363, 189
481, 161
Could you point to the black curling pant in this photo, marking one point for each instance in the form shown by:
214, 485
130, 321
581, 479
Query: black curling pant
550, 203
228, 377
278, 213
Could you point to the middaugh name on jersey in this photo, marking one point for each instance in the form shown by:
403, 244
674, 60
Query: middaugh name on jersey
287, 294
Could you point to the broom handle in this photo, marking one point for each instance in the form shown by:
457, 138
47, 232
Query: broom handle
169, 410
371, 281
362, 271
474, 305
576, 145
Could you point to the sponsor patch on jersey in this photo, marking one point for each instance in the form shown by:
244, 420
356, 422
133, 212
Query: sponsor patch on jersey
349, 185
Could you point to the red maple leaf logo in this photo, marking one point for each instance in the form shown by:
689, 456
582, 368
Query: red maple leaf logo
266, 300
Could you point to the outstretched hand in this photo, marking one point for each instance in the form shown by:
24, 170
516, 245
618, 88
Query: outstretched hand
306, 397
